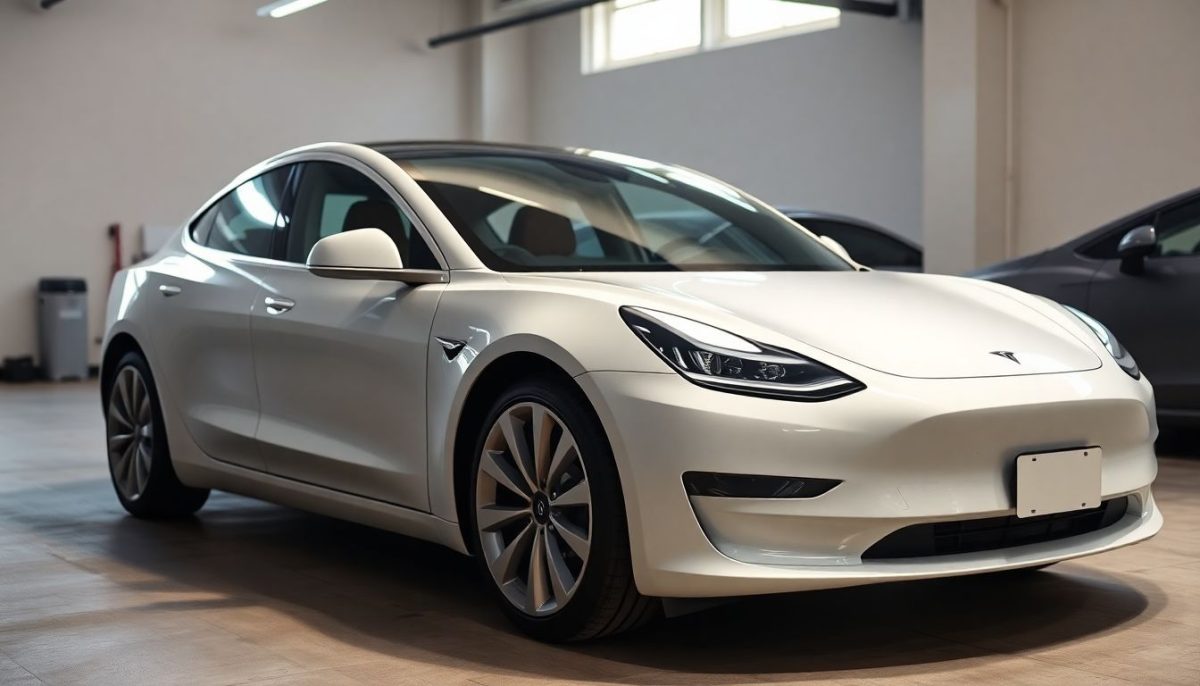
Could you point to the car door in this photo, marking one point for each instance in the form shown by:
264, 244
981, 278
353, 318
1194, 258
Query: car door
1156, 313
201, 318
341, 364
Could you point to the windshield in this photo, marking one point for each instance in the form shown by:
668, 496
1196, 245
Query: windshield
604, 212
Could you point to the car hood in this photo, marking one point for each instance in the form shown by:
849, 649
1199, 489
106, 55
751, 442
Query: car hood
912, 325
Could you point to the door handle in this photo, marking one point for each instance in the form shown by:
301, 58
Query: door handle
169, 291
278, 305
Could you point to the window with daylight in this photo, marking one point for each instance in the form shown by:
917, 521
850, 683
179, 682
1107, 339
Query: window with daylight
621, 33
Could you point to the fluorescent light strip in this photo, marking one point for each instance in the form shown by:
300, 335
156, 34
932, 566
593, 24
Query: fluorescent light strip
282, 8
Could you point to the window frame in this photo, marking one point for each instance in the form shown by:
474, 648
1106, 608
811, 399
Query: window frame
295, 161
206, 214
596, 22
303, 167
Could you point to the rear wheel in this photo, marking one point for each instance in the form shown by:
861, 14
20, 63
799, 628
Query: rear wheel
548, 517
139, 460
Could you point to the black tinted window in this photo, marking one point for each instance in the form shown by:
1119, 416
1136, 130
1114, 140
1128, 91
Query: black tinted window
333, 198
866, 246
1178, 231
203, 225
244, 221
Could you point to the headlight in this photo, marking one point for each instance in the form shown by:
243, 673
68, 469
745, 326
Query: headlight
1120, 354
708, 356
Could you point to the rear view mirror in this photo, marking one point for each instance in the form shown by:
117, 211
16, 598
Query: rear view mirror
1135, 245
365, 254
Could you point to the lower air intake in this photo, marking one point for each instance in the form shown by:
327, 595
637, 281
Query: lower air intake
993, 533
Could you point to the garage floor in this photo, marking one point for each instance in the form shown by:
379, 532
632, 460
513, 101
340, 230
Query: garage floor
253, 592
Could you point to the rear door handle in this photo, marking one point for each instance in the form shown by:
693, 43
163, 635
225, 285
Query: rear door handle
278, 305
169, 291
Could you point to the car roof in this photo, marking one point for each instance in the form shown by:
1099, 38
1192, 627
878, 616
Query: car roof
802, 214
402, 149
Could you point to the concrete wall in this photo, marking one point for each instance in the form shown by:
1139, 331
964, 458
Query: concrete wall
1108, 111
135, 112
1095, 114
829, 120
966, 136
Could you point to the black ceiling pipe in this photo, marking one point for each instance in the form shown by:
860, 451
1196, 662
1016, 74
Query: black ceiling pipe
47, 4
509, 22
881, 8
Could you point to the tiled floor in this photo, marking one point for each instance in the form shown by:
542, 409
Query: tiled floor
251, 592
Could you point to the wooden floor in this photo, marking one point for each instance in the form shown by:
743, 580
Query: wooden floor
251, 592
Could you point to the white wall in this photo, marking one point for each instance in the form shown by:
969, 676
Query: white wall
1108, 111
135, 111
829, 120
966, 195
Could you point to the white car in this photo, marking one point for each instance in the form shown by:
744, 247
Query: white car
611, 381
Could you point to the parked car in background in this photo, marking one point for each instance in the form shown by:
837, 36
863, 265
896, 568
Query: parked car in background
1140, 275
869, 245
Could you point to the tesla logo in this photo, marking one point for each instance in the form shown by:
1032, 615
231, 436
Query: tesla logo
1006, 355
541, 509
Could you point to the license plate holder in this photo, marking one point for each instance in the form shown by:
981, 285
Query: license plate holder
1059, 481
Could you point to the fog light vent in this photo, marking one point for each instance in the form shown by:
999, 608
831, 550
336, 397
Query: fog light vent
755, 486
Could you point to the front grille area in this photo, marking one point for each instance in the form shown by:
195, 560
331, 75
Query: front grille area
993, 533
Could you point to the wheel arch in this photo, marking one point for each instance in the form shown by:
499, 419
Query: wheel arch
119, 345
498, 375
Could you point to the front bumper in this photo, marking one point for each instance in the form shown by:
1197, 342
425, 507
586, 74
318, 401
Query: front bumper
908, 451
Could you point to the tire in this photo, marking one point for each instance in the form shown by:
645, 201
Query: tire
139, 459
580, 596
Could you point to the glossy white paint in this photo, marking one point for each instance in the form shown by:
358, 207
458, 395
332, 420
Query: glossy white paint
334, 396
362, 249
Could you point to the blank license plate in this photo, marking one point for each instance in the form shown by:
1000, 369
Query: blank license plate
1061, 481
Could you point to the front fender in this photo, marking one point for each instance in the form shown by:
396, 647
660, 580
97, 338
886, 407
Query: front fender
493, 318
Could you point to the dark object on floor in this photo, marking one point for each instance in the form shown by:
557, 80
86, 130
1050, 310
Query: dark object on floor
19, 369
63, 328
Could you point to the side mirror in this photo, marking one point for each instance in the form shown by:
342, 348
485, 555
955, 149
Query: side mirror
365, 254
841, 251
1135, 245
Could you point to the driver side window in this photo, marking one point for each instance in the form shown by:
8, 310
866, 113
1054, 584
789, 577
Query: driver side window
333, 198
1178, 231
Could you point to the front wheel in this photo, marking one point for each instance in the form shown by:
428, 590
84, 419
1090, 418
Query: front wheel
139, 460
548, 517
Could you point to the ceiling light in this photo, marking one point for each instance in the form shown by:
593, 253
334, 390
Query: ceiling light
282, 8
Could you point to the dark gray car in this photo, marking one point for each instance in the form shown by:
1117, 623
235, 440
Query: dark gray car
869, 244
1140, 275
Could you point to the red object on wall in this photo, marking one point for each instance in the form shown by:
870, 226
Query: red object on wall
114, 233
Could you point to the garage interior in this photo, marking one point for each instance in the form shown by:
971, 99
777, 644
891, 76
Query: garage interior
982, 130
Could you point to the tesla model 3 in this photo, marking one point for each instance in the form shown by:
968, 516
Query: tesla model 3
611, 382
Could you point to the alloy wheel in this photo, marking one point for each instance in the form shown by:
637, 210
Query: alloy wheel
533, 509
130, 433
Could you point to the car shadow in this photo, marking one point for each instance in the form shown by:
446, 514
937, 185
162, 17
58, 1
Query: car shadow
394, 596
